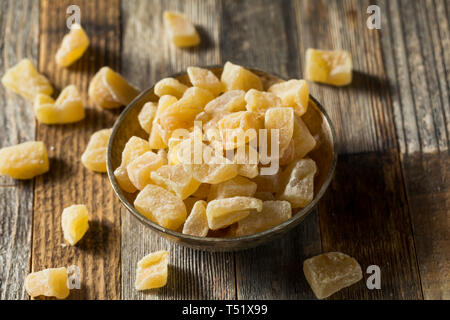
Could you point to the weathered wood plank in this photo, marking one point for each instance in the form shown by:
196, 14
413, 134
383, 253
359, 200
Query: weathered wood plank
365, 213
271, 271
68, 182
147, 56
19, 25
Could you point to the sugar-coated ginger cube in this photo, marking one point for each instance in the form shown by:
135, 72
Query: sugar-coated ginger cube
230, 101
329, 66
176, 180
25, 160
164, 156
152, 271
161, 206
206, 79
247, 157
281, 119
273, 213
330, 272
293, 94
108, 89
51, 282
147, 115
238, 186
73, 45
139, 169
180, 30
155, 140
67, 108
238, 128
123, 180
75, 222
26, 81
302, 139
260, 101
171, 87
196, 223
235, 77
94, 157
297, 183
224, 212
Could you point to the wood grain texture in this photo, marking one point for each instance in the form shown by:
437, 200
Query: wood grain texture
68, 182
365, 212
264, 36
19, 25
192, 274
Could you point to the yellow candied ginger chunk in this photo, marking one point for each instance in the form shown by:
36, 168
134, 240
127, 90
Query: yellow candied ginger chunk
152, 271
67, 108
146, 116
329, 66
172, 155
297, 183
171, 87
282, 120
247, 157
260, 101
73, 46
302, 139
235, 77
134, 148
94, 157
273, 213
238, 128
51, 282
206, 79
180, 30
330, 272
25, 160
228, 102
26, 81
293, 94
176, 180
108, 89
75, 222
238, 186
197, 223
224, 212
155, 139
161, 206
139, 169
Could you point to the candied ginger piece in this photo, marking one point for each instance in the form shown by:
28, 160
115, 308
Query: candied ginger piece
73, 46
176, 180
108, 89
246, 157
329, 66
155, 139
260, 101
147, 115
273, 213
25, 80
171, 87
139, 169
152, 271
206, 79
163, 154
230, 101
94, 157
224, 212
238, 128
196, 223
330, 272
161, 206
67, 108
74, 222
123, 180
298, 183
235, 77
302, 139
293, 94
180, 30
25, 160
238, 186
281, 119
210, 168
51, 282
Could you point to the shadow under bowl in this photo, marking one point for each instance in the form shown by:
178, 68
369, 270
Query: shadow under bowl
324, 155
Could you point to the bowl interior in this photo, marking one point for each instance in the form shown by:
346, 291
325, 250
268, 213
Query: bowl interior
315, 118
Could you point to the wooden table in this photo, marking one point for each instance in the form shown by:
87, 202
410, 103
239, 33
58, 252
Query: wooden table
388, 204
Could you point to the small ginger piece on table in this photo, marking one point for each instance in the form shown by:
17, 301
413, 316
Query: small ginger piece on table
180, 29
94, 157
73, 46
51, 282
24, 161
75, 223
329, 66
152, 271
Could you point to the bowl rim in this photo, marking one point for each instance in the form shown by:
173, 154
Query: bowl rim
208, 241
